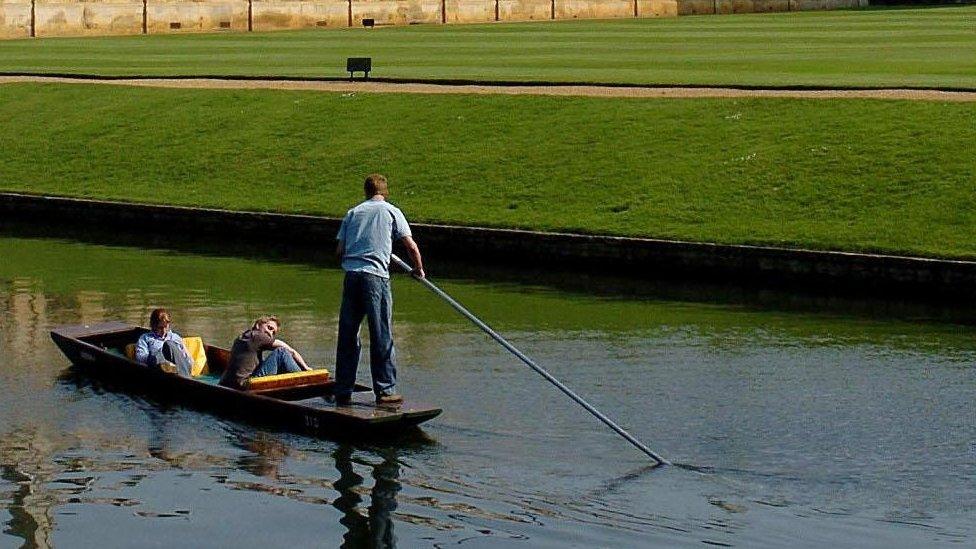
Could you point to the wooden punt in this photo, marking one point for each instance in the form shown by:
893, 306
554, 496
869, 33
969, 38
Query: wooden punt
303, 407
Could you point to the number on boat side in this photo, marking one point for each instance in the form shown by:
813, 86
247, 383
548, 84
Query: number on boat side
312, 422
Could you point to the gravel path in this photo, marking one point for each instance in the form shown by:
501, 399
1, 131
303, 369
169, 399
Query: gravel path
580, 91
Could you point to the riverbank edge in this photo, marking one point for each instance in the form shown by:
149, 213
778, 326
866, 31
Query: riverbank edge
490, 83
900, 277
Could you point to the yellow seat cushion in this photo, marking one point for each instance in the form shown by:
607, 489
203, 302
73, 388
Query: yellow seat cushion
287, 380
130, 351
198, 353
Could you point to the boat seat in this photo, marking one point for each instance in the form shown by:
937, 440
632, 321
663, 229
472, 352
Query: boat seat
278, 381
194, 346
198, 352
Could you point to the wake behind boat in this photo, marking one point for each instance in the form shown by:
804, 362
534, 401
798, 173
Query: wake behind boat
300, 402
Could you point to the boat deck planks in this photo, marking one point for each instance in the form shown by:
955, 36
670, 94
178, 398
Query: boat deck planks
100, 328
364, 406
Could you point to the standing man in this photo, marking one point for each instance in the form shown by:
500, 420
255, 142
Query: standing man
365, 244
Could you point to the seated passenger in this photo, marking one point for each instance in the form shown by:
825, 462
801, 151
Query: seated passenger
246, 354
163, 348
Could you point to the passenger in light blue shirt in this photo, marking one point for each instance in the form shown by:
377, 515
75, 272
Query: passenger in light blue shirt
365, 242
163, 348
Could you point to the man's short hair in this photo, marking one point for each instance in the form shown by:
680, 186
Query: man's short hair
376, 184
264, 319
159, 317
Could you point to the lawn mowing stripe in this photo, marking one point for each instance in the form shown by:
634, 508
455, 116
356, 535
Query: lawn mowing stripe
859, 48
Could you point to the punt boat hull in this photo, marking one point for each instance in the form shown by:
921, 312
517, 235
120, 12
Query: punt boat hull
307, 409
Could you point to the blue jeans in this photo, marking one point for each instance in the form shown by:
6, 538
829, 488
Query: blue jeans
366, 295
172, 352
278, 361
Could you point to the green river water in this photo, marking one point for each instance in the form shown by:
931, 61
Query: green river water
813, 421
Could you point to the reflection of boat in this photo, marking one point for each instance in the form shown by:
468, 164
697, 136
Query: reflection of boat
299, 403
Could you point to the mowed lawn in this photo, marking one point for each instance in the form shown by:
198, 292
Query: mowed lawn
859, 48
891, 176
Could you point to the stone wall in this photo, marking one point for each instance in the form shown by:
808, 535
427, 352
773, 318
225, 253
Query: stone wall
722, 7
15, 19
762, 266
72, 18
524, 10
594, 9
469, 11
657, 8
396, 12
295, 14
117, 17
195, 16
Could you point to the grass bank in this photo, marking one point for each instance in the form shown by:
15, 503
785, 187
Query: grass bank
879, 48
845, 174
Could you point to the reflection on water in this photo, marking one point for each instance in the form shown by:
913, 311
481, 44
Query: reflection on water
42, 476
23, 464
803, 423
372, 527
762, 294
30, 503
263, 455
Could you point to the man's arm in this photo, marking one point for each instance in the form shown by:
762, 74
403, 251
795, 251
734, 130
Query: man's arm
279, 344
414, 252
341, 236
142, 351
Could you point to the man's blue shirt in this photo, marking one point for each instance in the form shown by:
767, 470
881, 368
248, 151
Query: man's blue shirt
367, 234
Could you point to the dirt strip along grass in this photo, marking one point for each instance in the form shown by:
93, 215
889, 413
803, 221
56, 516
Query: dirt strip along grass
373, 86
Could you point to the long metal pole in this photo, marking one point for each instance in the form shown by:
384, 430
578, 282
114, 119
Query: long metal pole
531, 364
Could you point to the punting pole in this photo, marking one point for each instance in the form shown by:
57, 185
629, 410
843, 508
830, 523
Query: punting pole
531, 364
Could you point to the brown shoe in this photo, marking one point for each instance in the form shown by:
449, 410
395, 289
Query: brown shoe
168, 367
389, 399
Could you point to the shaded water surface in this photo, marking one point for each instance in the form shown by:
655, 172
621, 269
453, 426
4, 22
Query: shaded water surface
810, 422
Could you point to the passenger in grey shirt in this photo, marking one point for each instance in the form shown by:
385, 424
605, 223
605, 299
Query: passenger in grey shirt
365, 243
